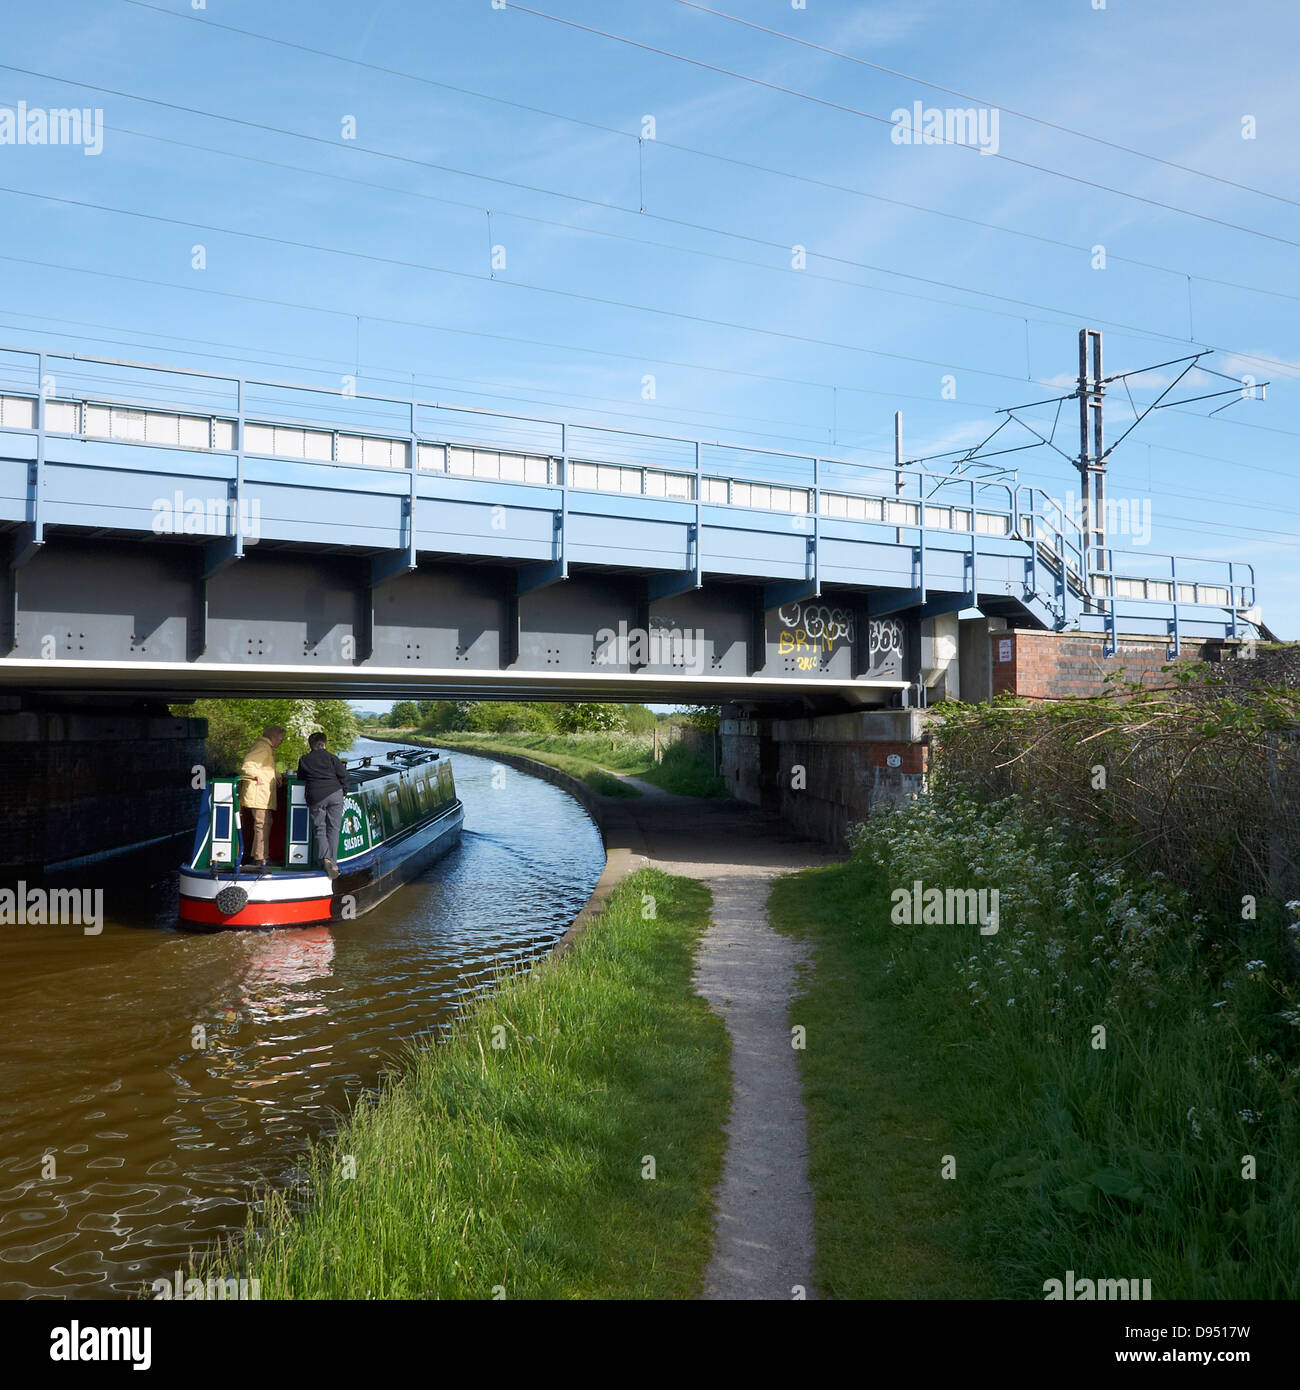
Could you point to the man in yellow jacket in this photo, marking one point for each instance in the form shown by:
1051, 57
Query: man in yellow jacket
257, 788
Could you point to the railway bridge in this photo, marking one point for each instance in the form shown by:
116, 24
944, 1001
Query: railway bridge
171, 533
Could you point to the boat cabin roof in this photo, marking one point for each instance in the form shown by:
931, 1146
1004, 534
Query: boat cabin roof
400, 760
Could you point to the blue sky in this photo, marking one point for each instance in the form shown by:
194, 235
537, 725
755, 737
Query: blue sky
672, 257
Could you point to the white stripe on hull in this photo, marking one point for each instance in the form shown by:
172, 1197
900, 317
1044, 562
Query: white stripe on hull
269, 889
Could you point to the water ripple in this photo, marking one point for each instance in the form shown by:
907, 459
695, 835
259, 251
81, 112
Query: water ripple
129, 1138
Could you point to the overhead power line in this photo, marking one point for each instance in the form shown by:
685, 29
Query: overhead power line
640, 358
614, 207
980, 101
515, 7
605, 301
690, 149
351, 314
404, 264
586, 230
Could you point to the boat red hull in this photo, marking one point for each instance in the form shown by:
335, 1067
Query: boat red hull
204, 912
284, 898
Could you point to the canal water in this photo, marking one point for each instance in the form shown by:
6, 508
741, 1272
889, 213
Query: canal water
124, 1144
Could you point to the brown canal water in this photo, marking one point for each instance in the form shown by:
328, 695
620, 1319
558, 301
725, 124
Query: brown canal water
124, 1145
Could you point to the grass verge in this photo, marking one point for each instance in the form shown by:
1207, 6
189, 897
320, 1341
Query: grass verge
553, 749
885, 1226
596, 758
684, 773
1115, 1074
510, 1157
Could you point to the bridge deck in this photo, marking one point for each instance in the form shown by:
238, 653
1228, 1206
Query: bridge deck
121, 480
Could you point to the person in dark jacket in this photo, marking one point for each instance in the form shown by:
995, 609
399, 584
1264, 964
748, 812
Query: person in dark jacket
326, 779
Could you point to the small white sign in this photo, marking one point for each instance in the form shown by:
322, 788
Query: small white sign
1004, 648
893, 760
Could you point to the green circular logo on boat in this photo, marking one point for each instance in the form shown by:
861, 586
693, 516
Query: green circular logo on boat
354, 828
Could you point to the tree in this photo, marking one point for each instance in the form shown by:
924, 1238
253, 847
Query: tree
706, 717
582, 718
233, 725
637, 719
444, 716
405, 715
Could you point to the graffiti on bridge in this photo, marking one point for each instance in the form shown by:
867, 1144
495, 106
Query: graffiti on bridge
810, 633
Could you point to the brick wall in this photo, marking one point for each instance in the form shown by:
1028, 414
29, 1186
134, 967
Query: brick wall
73, 785
1053, 665
841, 783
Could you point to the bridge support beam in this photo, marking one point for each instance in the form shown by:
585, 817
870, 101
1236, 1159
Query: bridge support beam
215, 556
757, 658
944, 605
893, 601
527, 579
25, 544
783, 592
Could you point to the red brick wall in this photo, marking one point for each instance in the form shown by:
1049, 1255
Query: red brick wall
1053, 665
914, 756
843, 783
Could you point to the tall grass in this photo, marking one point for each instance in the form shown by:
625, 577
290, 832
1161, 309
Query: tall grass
684, 773
509, 1160
1128, 1160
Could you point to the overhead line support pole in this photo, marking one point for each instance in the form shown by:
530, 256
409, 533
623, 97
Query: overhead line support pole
1092, 449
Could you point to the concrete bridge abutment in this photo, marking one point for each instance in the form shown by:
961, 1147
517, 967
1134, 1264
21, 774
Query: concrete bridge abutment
822, 774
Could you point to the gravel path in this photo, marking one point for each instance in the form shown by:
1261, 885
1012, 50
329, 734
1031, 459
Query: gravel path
747, 971
764, 1243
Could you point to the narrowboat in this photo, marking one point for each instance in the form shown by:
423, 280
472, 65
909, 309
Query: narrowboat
400, 812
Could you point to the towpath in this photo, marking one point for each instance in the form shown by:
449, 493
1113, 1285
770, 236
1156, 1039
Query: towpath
763, 1247
747, 971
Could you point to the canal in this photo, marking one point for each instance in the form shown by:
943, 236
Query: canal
152, 1080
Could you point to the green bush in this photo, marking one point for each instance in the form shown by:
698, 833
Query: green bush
685, 773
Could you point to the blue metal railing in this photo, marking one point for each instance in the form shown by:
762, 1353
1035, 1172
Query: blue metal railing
910, 499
